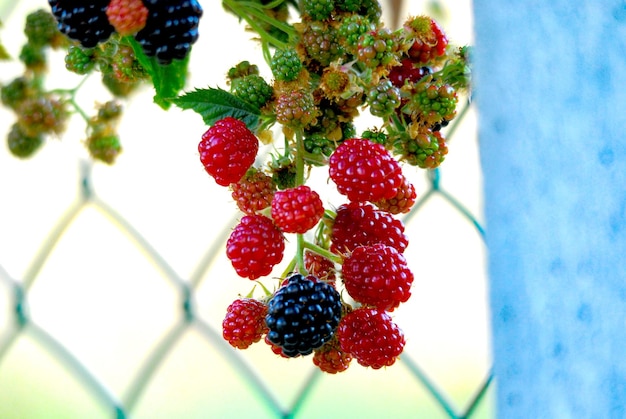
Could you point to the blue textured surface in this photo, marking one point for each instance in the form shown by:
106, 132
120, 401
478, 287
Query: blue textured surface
551, 94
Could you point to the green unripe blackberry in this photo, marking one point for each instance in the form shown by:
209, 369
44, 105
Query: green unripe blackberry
426, 149
318, 9
319, 145
320, 43
79, 60
283, 172
286, 65
41, 28
383, 98
118, 88
252, 89
104, 147
21, 144
295, 109
375, 136
433, 102
302, 315
350, 31
372, 10
242, 69
109, 111
42, 115
125, 65
377, 48
16, 92
33, 56
349, 5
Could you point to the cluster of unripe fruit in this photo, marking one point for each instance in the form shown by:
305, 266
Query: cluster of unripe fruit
349, 272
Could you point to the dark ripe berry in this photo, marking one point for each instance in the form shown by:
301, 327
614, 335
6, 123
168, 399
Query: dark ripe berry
372, 338
21, 144
364, 171
85, 22
361, 224
378, 276
297, 210
254, 192
227, 150
255, 246
302, 315
244, 323
170, 30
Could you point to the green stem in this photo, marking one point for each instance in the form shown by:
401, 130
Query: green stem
300, 181
323, 252
245, 14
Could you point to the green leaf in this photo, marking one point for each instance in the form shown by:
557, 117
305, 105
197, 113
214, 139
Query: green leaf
214, 104
168, 80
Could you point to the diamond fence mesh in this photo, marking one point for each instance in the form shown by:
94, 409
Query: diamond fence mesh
117, 312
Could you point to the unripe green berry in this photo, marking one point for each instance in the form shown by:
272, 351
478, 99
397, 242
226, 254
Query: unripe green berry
21, 144
383, 98
286, 65
318, 9
41, 28
252, 89
79, 60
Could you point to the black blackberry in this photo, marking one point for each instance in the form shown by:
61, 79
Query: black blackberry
87, 23
171, 28
303, 315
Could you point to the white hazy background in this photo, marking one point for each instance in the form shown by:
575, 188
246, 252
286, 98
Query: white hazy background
109, 305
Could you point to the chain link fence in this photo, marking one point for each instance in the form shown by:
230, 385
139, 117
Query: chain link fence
118, 312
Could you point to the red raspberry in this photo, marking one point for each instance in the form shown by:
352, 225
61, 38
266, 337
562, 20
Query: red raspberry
255, 246
297, 210
254, 192
372, 338
320, 267
244, 323
227, 150
402, 202
364, 171
357, 224
330, 358
377, 276
407, 72
429, 40
127, 16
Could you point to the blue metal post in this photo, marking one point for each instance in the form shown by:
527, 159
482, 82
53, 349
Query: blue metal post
550, 82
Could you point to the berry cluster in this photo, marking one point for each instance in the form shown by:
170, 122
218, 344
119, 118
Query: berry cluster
164, 29
335, 296
42, 113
